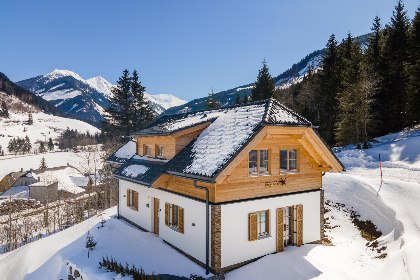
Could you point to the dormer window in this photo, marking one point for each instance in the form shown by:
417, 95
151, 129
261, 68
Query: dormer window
148, 151
160, 151
258, 162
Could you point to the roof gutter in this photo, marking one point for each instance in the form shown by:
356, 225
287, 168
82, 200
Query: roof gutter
192, 177
131, 180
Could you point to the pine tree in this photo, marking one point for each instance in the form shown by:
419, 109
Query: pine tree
119, 112
4, 111
354, 98
264, 86
211, 101
42, 147
143, 114
50, 145
27, 145
329, 85
11, 147
245, 100
395, 82
414, 70
30, 119
43, 164
129, 111
238, 100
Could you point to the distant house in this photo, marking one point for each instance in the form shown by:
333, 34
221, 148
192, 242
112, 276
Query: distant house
260, 165
14, 179
44, 193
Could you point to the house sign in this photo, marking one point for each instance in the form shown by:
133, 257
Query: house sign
275, 183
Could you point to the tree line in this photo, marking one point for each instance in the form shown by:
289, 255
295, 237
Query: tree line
359, 91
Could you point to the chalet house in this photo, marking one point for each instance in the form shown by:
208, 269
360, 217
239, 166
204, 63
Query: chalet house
257, 166
14, 179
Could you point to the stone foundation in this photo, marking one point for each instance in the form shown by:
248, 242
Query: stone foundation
216, 238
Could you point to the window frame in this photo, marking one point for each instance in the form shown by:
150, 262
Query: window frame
259, 172
148, 150
160, 152
288, 161
266, 222
174, 218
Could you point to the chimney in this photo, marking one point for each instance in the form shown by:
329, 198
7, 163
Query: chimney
31, 170
39, 179
21, 169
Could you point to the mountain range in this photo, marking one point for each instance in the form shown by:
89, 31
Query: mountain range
85, 99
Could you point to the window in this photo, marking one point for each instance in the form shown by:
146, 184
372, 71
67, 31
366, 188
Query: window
258, 162
133, 199
160, 151
288, 160
148, 150
259, 225
174, 217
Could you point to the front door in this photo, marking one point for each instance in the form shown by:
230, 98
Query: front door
156, 215
288, 225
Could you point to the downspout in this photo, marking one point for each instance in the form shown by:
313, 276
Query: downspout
207, 224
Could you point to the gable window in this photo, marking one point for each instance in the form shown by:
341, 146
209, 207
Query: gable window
160, 151
148, 151
174, 217
288, 160
258, 162
133, 199
258, 225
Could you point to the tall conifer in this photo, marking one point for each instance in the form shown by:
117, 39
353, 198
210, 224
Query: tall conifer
264, 86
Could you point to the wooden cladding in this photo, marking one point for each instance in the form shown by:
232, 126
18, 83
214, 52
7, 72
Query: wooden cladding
280, 230
299, 225
133, 199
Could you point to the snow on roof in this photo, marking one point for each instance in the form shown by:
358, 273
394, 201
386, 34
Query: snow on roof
134, 170
150, 159
124, 153
17, 192
38, 184
218, 142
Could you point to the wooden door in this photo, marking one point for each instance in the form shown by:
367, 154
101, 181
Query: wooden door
156, 215
280, 229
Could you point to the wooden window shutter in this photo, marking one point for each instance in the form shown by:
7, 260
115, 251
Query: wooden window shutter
180, 220
299, 225
253, 226
167, 214
267, 220
128, 198
144, 149
136, 201
280, 229
293, 225
156, 150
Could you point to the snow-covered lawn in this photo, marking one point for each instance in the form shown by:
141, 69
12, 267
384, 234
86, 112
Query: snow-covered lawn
47, 258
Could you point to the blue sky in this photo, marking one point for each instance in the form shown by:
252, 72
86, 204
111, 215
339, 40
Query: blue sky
179, 47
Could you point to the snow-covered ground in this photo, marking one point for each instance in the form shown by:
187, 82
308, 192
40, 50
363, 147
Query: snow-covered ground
395, 211
44, 126
47, 258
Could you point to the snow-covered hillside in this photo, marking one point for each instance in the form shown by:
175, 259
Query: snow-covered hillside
395, 211
85, 98
44, 126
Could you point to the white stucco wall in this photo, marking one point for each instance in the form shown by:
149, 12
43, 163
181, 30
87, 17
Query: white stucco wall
193, 241
235, 245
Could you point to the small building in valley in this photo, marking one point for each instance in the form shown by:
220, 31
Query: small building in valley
257, 166
15, 179
43, 192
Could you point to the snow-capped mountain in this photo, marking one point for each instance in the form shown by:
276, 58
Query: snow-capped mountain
86, 99
70, 93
